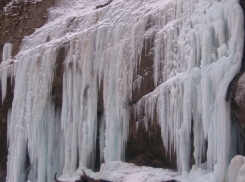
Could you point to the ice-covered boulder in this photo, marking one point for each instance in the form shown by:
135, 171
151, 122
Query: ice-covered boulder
237, 169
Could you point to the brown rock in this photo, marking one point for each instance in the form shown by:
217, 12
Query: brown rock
20, 20
145, 147
144, 72
238, 100
4, 3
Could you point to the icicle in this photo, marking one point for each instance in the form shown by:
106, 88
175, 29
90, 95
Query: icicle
6, 60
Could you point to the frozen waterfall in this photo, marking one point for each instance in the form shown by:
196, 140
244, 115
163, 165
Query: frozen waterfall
197, 47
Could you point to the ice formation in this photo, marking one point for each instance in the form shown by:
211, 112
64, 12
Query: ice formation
237, 169
197, 52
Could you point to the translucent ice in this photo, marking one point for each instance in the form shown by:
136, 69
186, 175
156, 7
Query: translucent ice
197, 52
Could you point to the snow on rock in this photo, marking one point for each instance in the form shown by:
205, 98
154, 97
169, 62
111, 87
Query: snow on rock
118, 171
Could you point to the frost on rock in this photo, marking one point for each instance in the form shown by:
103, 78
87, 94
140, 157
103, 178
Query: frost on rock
197, 52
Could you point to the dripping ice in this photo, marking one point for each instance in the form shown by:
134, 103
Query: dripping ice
197, 52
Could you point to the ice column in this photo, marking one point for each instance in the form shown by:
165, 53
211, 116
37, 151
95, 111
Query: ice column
6, 60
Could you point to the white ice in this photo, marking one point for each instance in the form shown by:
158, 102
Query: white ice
197, 52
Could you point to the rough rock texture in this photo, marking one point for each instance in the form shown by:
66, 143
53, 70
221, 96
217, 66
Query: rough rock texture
17, 21
3, 3
145, 146
144, 72
20, 20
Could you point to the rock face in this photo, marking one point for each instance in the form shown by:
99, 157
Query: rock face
238, 100
17, 21
3, 3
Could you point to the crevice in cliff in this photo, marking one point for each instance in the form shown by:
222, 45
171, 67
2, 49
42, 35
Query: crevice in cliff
145, 146
57, 84
4, 108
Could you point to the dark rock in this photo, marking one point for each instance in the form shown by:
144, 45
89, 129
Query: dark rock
144, 72
4, 3
20, 20
145, 147
103, 5
57, 84
238, 100
100, 106
4, 107
83, 178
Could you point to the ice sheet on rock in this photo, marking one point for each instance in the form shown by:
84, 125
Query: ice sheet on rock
33, 123
198, 62
197, 52
118, 171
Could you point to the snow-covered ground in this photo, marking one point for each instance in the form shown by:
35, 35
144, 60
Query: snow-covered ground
197, 52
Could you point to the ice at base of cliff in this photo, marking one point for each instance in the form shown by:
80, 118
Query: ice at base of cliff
118, 171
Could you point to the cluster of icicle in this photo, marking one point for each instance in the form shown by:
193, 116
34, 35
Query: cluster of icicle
197, 52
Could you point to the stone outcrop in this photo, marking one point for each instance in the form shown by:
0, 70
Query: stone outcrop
3, 3
17, 21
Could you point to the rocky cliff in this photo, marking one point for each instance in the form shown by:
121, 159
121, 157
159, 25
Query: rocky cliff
144, 146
